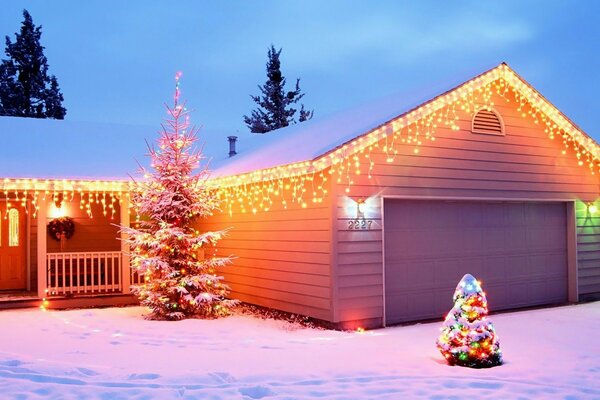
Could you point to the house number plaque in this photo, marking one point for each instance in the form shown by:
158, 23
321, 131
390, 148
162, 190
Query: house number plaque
360, 224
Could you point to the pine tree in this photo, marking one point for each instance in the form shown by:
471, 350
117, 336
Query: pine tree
275, 105
468, 338
26, 89
179, 264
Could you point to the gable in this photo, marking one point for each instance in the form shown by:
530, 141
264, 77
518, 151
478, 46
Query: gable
409, 133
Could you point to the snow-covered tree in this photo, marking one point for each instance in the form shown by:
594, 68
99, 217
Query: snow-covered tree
26, 89
468, 338
275, 105
178, 263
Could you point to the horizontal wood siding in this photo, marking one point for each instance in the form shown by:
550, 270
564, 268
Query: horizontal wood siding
588, 250
282, 257
91, 234
525, 164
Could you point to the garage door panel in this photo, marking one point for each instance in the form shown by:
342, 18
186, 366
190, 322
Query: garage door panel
518, 251
494, 268
446, 271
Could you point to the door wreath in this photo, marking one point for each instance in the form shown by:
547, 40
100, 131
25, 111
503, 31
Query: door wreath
61, 229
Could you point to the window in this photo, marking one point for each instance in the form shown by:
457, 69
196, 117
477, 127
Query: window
13, 227
487, 122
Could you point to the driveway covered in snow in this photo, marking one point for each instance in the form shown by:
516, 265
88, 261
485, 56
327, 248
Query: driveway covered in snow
114, 353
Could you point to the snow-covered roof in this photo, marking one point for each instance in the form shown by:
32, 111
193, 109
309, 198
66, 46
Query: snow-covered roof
62, 149
308, 140
53, 149
36, 148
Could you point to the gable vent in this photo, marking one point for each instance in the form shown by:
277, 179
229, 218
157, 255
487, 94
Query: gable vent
487, 122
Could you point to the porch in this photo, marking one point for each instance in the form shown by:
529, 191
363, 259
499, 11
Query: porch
90, 269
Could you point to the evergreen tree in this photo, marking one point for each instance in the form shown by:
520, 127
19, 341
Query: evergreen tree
26, 89
468, 338
179, 264
275, 104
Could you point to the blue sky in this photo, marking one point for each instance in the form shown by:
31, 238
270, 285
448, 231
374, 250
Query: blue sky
115, 60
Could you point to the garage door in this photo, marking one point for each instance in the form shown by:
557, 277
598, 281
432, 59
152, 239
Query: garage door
517, 250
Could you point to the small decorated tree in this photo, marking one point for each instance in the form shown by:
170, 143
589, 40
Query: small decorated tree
468, 338
178, 264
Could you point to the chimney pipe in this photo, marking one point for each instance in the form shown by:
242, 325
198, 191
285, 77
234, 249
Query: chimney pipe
232, 140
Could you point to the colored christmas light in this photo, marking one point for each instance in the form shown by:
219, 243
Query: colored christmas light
468, 337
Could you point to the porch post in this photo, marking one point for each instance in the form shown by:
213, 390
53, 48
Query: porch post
125, 267
42, 270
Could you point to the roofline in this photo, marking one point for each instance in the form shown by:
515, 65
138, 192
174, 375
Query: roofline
333, 156
64, 185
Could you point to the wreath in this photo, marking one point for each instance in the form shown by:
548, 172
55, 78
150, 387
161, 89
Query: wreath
61, 226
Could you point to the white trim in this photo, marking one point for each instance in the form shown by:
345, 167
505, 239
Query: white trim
384, 322
41, 246
28, 243
572, 256
125, 258
566, 203
475, 198
497, 114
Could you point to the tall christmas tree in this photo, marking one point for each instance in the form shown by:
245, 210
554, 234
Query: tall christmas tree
26, 89
468, 338
275, 105
179, 264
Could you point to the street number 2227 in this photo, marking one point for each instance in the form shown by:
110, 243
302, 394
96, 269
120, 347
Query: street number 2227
357, 224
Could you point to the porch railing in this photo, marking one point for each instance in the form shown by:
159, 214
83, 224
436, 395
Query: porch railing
74, 273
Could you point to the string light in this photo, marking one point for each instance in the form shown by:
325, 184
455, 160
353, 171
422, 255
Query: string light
306, 183
413, 129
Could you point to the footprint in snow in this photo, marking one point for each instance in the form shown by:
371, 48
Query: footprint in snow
223, 377
256, 392
10, 363
87, 372
143, 376
486, 385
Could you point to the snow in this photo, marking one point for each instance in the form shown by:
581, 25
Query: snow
43, 148
311, 139
115, 354
63, 149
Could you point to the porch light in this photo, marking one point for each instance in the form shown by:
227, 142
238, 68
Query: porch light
360, 209
592, 208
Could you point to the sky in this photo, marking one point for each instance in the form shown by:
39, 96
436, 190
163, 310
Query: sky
116, 60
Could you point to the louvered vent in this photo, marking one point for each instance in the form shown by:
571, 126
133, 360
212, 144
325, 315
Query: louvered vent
487, 122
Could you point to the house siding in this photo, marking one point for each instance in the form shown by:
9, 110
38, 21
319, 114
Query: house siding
282, 258
523, 165
588, 251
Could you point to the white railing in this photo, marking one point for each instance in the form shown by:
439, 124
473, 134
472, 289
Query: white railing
136, 277
85, 272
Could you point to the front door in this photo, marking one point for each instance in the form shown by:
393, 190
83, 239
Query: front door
13, 247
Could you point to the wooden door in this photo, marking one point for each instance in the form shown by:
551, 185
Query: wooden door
13, 247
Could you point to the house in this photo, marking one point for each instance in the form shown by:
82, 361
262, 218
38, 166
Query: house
371, 217
364, 218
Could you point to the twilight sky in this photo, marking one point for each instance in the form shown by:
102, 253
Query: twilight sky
115, 60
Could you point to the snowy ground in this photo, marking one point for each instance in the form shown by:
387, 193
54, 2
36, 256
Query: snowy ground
115, 354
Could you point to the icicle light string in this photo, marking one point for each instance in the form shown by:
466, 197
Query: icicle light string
106, 194
414, 129
295, 184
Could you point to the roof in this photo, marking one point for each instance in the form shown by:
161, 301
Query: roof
63, 149
314, 145
52, 149
311, 139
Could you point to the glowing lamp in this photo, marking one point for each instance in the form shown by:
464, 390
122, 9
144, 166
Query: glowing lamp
360, 209
592, 208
